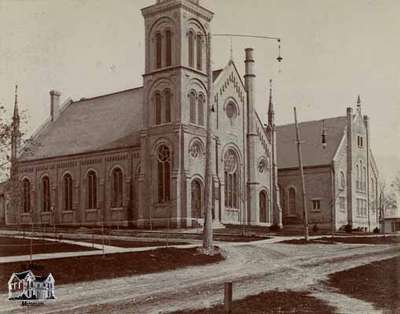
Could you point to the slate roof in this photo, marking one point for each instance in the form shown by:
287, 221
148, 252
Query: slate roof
103, 122
310, 134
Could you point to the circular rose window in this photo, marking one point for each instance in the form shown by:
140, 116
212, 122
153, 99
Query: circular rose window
231, 111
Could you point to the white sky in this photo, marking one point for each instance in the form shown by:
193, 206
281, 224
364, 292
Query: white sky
333, 50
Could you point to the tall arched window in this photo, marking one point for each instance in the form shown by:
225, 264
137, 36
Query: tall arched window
92, 189
158, 107
342, 180
192, 101
168, 48
231, 170
191, 49
164, 174
292, 201
26, 185
167, 106
158, 50
67, 197
196, 199
364, 179
263, 206
46, 194
200, 109
117, 188
358, 177
199, 52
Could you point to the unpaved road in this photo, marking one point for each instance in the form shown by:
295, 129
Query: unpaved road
253, 267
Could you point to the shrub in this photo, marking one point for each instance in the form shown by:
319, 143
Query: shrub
274, 228
348, 228
376, 230
315, 228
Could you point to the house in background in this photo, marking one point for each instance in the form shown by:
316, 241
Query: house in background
26, 286
341, 177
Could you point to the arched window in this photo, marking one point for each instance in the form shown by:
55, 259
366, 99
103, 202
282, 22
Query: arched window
200, 109
358, 177
263, 206
292, 201
158, 108
26, 186
164, 174
199, 52
117, 188
196, 199
158, 50
364, 179
168, 48
231, 170
67, 197
46, 194
342, 180
192, 101
92, 189
167, 106
191, 49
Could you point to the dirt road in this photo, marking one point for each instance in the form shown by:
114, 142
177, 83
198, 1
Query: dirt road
253, 268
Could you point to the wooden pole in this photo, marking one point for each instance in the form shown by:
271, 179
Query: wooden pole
302, 176
207, 230
228, 297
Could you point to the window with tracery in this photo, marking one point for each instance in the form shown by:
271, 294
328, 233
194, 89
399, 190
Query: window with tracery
191, 49
158, 108
26, 185
199, 52
117, 188
231, 170
200, 109
46, 194
91, 190
192, 108
158, 50
164, 174
167, 106
67, 192
168, 48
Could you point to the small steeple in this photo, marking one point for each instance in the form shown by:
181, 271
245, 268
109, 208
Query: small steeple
271, 112
359, 103
16, 112
15, 135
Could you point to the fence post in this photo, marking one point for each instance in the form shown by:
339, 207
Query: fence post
228, 297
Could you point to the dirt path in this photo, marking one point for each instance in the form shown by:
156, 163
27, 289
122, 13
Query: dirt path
253, 268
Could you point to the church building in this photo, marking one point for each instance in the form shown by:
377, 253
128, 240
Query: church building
137, 157
340, 173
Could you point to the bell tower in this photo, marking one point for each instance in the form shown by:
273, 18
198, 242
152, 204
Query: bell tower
174, 100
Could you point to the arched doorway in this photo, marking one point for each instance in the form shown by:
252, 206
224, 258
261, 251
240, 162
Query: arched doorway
263, 206
196, 188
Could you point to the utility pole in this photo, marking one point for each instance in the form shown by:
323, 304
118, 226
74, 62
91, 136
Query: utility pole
302, 177
207, 230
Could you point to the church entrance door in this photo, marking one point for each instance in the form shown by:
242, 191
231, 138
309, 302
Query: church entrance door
196, 199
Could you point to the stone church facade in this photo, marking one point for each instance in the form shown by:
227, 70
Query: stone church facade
137, 157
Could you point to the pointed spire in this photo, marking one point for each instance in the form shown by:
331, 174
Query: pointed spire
231, 51
271, 106
16, 113
358, 103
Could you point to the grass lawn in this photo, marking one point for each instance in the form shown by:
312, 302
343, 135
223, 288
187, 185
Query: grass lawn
272, 302
88, 268
15, 246
347, 239
377, 283
130, 243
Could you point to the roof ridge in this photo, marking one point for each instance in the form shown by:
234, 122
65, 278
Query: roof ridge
310, 121
109, 94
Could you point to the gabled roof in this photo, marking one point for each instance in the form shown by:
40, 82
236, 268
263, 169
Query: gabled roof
22, 275
103, 122
310, 134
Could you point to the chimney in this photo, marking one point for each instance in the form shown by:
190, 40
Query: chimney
249, 82
54, 104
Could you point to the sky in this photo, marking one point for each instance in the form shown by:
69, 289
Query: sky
333, 51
